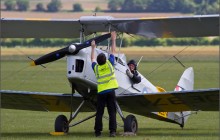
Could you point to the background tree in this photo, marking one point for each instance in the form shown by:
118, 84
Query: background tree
10, 5
185, 6
54, 6
77, 7
23, 5
40, 7
98, 9
162, 6
115, 5
133, 5
207, 7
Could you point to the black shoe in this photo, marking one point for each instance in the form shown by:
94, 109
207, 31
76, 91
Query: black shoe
98, 134
112, 134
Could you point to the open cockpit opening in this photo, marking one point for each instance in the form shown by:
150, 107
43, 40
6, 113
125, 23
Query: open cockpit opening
79, 65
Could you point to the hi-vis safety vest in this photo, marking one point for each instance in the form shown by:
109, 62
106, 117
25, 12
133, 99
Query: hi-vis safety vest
105, 76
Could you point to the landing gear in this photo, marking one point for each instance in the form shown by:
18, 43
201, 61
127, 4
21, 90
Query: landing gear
61, 124
130, 124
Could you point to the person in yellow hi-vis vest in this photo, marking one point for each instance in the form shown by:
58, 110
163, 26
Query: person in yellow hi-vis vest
106, 85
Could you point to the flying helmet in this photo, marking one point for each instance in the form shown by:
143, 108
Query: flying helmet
133, 62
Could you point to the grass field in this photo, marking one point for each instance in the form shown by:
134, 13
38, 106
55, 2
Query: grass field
16, 74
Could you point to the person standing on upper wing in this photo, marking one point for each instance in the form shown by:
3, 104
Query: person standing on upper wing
132, 73
106, 85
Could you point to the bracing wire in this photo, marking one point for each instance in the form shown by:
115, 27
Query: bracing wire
12, 74
167, 61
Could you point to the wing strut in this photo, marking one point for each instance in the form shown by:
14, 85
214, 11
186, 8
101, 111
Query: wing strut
119, 111
76, 113
82, 34
120, 45
62, 124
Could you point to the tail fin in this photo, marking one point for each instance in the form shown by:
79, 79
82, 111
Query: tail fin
186, 82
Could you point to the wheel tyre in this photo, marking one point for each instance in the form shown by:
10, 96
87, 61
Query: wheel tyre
61, 124
130, 124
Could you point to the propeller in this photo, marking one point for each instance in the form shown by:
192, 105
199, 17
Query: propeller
71, 49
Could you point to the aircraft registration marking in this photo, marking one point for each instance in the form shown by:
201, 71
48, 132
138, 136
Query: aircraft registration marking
166, 102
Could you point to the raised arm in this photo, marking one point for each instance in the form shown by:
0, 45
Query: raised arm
113, 37
93, 51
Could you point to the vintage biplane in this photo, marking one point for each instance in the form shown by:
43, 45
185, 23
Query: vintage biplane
143, 98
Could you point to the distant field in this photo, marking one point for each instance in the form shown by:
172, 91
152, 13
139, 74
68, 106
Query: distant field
65, 13
149, 53
77, 15
16, 74
88, 6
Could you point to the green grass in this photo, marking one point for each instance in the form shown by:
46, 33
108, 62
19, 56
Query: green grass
37, 125
16, 74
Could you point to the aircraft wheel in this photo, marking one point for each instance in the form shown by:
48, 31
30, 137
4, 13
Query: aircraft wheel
130, 124
61, 124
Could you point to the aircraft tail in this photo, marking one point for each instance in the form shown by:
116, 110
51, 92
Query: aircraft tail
186, 82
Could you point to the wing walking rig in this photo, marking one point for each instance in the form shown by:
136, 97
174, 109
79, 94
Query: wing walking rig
143, 99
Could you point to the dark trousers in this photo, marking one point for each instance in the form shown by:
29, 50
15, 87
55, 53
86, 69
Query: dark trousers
109, 100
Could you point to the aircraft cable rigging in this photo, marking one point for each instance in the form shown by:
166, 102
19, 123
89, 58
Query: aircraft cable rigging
24, 80
132, 85
194, 52
174, 56
18, 71
11, 75
14, 73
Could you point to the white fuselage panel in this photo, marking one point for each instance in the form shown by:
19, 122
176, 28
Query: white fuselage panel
80, 72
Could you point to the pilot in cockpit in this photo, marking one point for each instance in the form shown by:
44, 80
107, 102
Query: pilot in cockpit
132, 72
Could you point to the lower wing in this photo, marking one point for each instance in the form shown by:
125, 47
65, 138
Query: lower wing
204, 100
42, 101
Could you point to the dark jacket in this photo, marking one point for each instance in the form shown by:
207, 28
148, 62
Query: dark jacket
136, 78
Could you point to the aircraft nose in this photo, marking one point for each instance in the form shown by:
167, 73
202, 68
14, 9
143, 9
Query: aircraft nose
72, 48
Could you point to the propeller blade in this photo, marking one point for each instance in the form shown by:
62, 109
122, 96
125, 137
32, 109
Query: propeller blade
87, 43
72, 49
53, 56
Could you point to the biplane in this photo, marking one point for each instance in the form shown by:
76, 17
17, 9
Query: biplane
142, 99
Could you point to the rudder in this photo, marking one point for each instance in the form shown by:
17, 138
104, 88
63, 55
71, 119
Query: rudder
186, 82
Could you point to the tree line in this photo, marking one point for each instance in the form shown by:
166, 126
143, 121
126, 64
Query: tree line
23, 5
127, 41
183, 6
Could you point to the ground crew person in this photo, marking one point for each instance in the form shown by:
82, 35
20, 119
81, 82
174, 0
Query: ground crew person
107, 83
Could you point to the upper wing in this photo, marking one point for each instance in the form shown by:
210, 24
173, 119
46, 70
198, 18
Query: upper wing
39, 28
41, 101
167, 27
164, 27
205, 100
